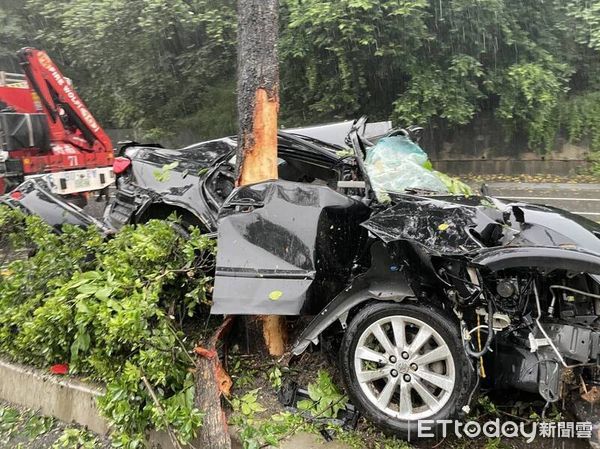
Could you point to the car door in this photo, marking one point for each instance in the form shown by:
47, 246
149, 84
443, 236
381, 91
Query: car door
286, 246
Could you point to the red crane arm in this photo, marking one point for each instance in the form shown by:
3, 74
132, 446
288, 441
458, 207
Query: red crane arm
69, 118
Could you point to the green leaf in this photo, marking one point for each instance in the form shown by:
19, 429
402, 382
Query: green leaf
103, 293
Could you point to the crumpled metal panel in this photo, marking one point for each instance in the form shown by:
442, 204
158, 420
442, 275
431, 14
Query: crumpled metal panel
382, 281
550, 258
442, 226
283, 247
37, 199
461, 225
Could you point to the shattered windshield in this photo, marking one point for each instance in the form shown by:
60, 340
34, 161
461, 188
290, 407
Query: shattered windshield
396, 164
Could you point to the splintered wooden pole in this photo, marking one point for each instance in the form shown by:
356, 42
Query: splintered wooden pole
258, 105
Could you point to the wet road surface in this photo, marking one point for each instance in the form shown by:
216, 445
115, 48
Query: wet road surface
583, 199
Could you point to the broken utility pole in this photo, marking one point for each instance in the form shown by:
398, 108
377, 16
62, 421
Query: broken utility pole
258, 105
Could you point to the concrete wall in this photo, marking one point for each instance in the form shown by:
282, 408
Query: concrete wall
64, 398
72, 401
486, 147
482, 147
69, 400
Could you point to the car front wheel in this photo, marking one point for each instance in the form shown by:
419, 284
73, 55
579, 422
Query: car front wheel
403, 363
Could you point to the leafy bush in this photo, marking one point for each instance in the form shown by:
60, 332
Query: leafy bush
258, 433
529, 98
325, 399
451, 94
581, 117
75, 439
112, 310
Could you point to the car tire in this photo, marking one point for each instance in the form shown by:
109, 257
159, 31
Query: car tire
423, 358
182, 229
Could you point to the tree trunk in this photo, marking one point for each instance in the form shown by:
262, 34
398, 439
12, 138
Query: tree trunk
212, 381
258, 105
213, 432
258, 90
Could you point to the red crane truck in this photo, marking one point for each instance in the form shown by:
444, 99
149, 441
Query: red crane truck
45, 128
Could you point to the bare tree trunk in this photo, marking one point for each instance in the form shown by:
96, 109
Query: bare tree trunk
258, 90
212, 381
258, 105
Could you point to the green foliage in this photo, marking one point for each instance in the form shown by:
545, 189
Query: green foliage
248, 404
585, 24
75, 439
495, 443
164, 173
325, 399
391, 443
439, 63
22, 425
13, 33
275, 377
455, 186
37, 425
581, 118
217, 115
256, 433
450, 93
529, 96
102, 307
486, 406
340, 56
163, 67
259, 434
368, 437
242, 373
145, 64
10, 418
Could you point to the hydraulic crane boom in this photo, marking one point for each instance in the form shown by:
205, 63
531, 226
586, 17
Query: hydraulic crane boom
69, 118
45, 128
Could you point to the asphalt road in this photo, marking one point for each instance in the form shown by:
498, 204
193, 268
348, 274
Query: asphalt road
583, 199
96, 208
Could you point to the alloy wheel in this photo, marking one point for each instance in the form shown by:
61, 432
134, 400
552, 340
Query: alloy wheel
404, 367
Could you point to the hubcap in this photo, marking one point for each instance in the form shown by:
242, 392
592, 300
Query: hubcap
404, 367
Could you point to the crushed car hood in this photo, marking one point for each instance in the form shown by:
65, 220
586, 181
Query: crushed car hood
454, 225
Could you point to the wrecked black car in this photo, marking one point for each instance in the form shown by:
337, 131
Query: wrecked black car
424, 287
426, 290
35, 196
193, 182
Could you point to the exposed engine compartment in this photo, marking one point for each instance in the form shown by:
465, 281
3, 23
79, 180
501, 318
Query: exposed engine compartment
534, 330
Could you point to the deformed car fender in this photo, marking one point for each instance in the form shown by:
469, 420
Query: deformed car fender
382, 281
549, 258
34, 196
